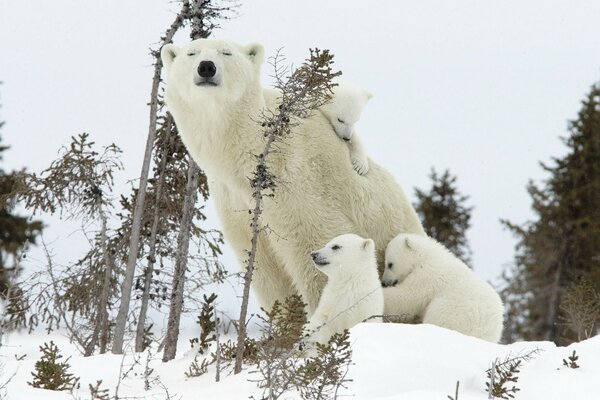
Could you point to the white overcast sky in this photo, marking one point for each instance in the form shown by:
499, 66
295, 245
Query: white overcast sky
484, 88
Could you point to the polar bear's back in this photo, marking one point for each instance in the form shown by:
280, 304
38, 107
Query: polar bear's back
372, 206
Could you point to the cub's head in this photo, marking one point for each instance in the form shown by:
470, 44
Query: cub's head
204, 69
403, 253
345, 108
345, 254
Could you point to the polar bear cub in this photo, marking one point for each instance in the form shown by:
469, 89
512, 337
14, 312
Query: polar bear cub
353, 291
435, 286
343, 111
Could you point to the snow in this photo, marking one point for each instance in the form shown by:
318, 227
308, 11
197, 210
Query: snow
391, 361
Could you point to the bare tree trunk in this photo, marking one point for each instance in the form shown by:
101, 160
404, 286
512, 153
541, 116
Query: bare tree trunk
254, 226
101, 328
551, 331
108, 267
183, 242
134, 240
139, 337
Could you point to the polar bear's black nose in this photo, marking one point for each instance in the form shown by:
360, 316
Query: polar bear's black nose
207, 69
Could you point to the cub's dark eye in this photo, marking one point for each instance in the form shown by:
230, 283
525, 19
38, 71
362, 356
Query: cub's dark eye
226, 52
191, 53
336, 247
390, 265
341, 121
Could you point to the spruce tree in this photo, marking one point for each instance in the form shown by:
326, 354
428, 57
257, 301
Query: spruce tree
444, 215
16, 231
562, 244
52, 374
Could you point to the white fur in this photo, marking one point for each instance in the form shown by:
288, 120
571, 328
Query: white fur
353, 291
343, 111
435, 286
319, 195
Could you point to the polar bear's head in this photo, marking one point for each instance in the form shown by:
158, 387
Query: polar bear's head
210, 71
403, 254
345, 254
345, 107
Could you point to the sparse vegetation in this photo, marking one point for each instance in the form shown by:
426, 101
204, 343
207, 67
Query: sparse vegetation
571, 361
52, 374
503, 375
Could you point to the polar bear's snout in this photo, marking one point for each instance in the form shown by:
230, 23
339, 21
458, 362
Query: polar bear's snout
318, 259
207, 74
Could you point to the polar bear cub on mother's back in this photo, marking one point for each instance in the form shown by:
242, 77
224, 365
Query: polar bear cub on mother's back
353, 291
343, 111
435, 286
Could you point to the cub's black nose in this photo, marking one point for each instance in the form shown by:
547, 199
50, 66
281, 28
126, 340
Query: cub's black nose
207, 69
314, 255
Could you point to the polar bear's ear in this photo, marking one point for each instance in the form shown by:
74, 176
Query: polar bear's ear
409, 244
368, 244
369, 95
168, 54
256, 53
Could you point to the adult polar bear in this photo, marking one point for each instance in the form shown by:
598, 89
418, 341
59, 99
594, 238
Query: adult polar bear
213, 91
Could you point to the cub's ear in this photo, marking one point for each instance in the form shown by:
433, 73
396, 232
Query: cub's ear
368, 244
256, 53
168, 54
409, 244
369, 95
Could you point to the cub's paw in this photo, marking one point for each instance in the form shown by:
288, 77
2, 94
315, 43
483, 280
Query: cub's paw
360, 164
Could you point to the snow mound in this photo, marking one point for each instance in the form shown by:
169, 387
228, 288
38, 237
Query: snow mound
391, 361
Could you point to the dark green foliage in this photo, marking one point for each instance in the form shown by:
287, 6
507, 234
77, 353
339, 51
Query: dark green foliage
280, 361
208, 324
571, 361
285, 322
561, 245
97, 393
505, 375
148, 337
199, 367
320, 377
444, 215
51, 373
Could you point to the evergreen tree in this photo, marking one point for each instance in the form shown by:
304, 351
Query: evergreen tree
444, 215
16, 231
562, 244
52, 374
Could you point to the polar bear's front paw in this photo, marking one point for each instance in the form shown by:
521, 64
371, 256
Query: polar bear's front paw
360, 164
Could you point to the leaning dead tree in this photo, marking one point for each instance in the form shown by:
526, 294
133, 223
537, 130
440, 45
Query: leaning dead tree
136, 226
309, 87
196, 13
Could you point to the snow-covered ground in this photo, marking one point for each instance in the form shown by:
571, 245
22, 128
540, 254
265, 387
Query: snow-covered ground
391, 361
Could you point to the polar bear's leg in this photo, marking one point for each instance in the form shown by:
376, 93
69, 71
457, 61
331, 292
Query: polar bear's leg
358, 155
270, 282
403, 302
475, 317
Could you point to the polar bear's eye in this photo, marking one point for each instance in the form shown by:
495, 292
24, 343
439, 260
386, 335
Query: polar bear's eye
390, 265
336, 247
191, 53
226, 52
341, 121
